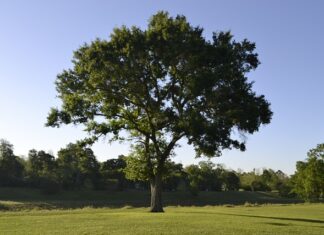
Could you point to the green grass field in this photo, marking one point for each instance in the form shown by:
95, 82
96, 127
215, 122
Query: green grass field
27, 211
268, 219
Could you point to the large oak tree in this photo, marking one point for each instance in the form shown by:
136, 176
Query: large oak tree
160, 85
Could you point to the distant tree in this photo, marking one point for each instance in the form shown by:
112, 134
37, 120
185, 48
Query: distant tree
41, 163
160, 85
265, 180
204, 177
11, 167
246, 179
267, 176
173, 177
270, 179
283, 184
194, 178
114, 169
274, 180
211, 177
231, 182
259, 185
77, 167
308, 179
41, 170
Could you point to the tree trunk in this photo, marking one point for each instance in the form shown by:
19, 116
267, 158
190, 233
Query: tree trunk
156, 194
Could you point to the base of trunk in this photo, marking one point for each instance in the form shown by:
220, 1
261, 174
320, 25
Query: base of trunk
156, 194
157, 210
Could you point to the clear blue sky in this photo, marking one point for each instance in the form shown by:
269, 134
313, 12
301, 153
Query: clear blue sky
37, 39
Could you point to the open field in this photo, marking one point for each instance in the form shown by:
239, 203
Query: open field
267, 219
27, 211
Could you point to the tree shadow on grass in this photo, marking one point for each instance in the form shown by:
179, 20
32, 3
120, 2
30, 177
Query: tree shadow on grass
278, 224
266, 217
281, 218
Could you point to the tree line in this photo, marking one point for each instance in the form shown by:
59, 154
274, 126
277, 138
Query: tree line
77, 167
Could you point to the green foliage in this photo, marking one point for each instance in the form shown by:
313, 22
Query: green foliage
204, 177
40, 163
162, 84
113, 170
231, 181
76, 166
286, 190
246, 179
194, 178
266, 181
138, 167
11, 166
159, 85
143, 166
308, 179
41, 170
258, 185
175, 177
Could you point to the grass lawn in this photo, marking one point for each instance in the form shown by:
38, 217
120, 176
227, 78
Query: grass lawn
28, 211
267, 219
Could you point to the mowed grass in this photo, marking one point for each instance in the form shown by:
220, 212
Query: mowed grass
28, 211
267, 219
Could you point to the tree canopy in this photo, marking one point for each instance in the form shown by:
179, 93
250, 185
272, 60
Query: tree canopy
11, 168
162, 84
77, 166
308, 179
